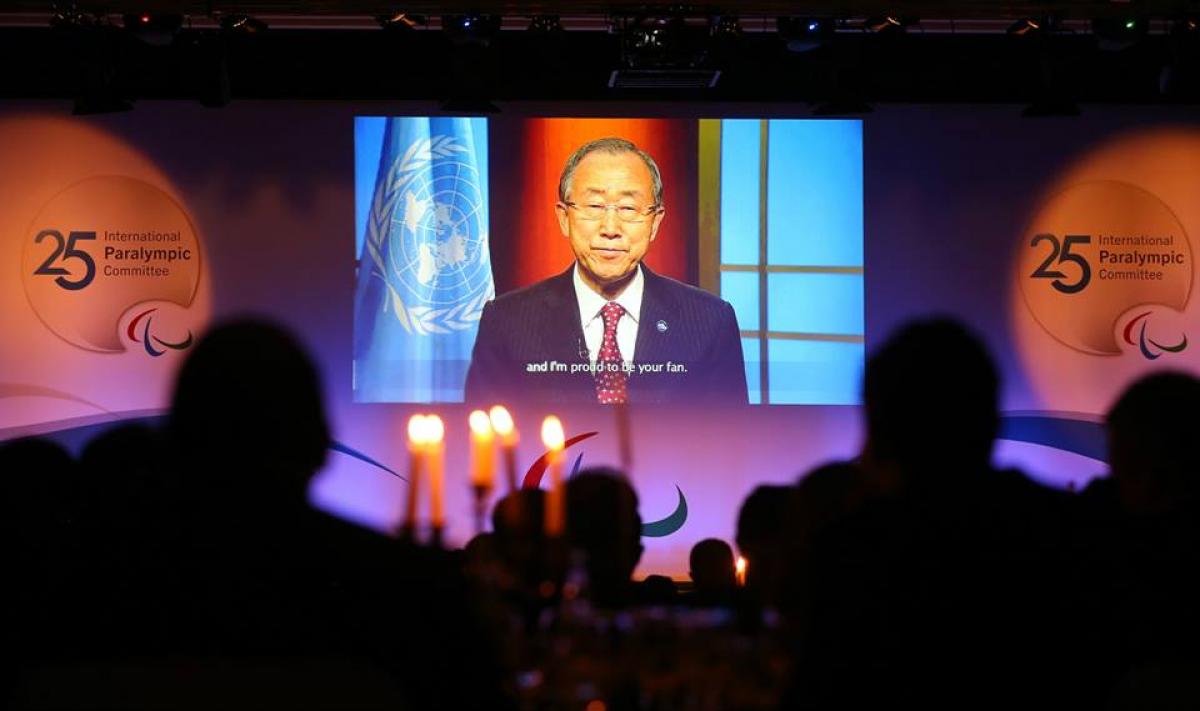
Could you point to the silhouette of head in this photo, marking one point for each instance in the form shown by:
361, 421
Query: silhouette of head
760, 538
931, 399
603, 524
518, 521
711, 563
247, 411
658, 590
1154, 459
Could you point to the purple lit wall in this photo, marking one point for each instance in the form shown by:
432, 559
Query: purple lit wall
951, 194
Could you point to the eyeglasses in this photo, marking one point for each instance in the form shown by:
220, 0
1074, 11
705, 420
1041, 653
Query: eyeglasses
629, 214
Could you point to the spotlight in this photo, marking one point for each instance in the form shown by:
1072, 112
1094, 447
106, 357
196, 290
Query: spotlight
545, 25
1026, 27
667, 52
804, 34
68, 15
664, 42
472, 28
889, 24
158, 30
242, 24
401, 21
1114, 34
727, 27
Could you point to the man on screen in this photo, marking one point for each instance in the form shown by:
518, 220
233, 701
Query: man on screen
608, 330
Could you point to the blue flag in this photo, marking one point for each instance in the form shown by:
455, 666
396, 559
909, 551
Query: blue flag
424, 269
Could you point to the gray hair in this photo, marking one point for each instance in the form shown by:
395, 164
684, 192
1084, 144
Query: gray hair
611, 146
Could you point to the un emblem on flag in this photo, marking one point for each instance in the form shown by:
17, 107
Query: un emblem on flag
428, 237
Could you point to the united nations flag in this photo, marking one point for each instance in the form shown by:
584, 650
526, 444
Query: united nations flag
424, 270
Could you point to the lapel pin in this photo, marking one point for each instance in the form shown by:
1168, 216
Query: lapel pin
661, 326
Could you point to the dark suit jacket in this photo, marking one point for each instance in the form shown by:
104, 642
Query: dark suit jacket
679, 325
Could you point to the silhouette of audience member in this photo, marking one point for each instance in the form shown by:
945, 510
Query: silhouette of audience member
945, 588
712, 572
248, 401
1154, 459
38, 534
1144, 538
518, 520
261, 573
129, 508
656, 590
603, 526
761, 539
930, 397
820, 498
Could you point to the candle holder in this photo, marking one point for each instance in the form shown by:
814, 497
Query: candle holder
408, 534
481, 492
510, 468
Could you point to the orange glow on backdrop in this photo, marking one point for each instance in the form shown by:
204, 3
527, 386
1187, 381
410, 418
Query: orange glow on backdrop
1161, 168
527, 245
46, 377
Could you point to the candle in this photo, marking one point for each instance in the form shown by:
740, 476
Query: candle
416, 451
483, 451
435, 431
739, 571
502, 424
552, 437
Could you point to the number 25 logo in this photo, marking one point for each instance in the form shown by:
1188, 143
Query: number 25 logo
1063, 254
67, 250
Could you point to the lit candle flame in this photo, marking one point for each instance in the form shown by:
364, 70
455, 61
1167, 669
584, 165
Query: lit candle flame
416, 430
502, 422
740, 570
480, 424
552, 433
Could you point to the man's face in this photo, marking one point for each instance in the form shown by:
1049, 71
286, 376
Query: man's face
609, 249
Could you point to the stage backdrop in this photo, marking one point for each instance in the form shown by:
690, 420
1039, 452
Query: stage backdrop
1068, 244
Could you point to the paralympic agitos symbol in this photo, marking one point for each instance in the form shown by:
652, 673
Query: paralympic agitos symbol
651, 529
1143, 340
149, 340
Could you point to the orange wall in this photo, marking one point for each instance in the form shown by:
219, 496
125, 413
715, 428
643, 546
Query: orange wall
525, 239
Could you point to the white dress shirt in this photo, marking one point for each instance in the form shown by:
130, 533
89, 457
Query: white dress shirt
590, 304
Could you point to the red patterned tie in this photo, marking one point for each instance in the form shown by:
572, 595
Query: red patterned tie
610, 377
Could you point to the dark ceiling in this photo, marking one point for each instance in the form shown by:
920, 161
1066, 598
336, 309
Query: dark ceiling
846, 8
957, 52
